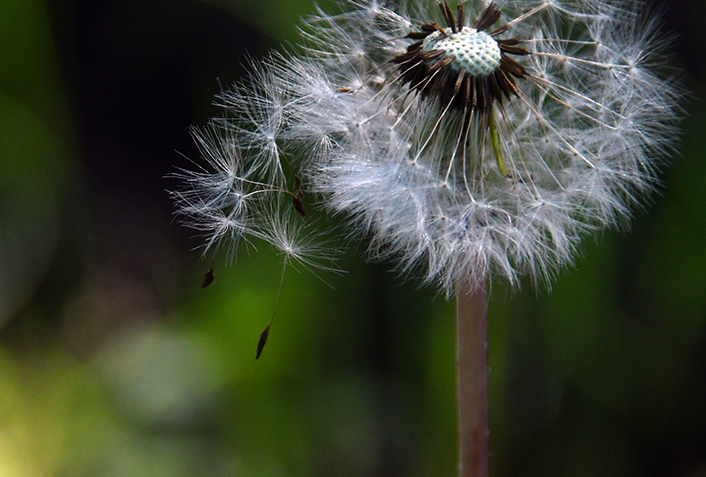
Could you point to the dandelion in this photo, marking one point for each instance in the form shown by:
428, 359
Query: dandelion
467, 144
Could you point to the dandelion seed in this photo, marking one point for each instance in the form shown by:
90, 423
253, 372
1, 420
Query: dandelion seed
262, 342
299, 205
208, 278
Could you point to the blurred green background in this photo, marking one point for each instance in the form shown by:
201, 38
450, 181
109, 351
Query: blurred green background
113, 361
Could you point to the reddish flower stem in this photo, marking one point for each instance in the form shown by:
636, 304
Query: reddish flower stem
472, 366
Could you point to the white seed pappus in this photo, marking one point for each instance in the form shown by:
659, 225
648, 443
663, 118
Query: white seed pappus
485, 148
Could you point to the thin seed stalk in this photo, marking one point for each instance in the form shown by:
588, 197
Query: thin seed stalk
472, 368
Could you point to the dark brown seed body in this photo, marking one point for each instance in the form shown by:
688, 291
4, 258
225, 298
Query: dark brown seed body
299, 205
263, 340
208, 278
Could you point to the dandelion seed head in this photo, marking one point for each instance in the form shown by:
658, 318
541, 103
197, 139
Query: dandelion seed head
483, 141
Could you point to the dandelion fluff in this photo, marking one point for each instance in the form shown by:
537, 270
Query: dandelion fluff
478, 142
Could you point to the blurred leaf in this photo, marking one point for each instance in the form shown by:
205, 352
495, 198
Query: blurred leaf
35, 144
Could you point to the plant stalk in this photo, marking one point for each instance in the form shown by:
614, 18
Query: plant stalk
472, 367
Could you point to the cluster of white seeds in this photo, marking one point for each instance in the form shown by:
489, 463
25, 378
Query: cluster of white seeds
331, 127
